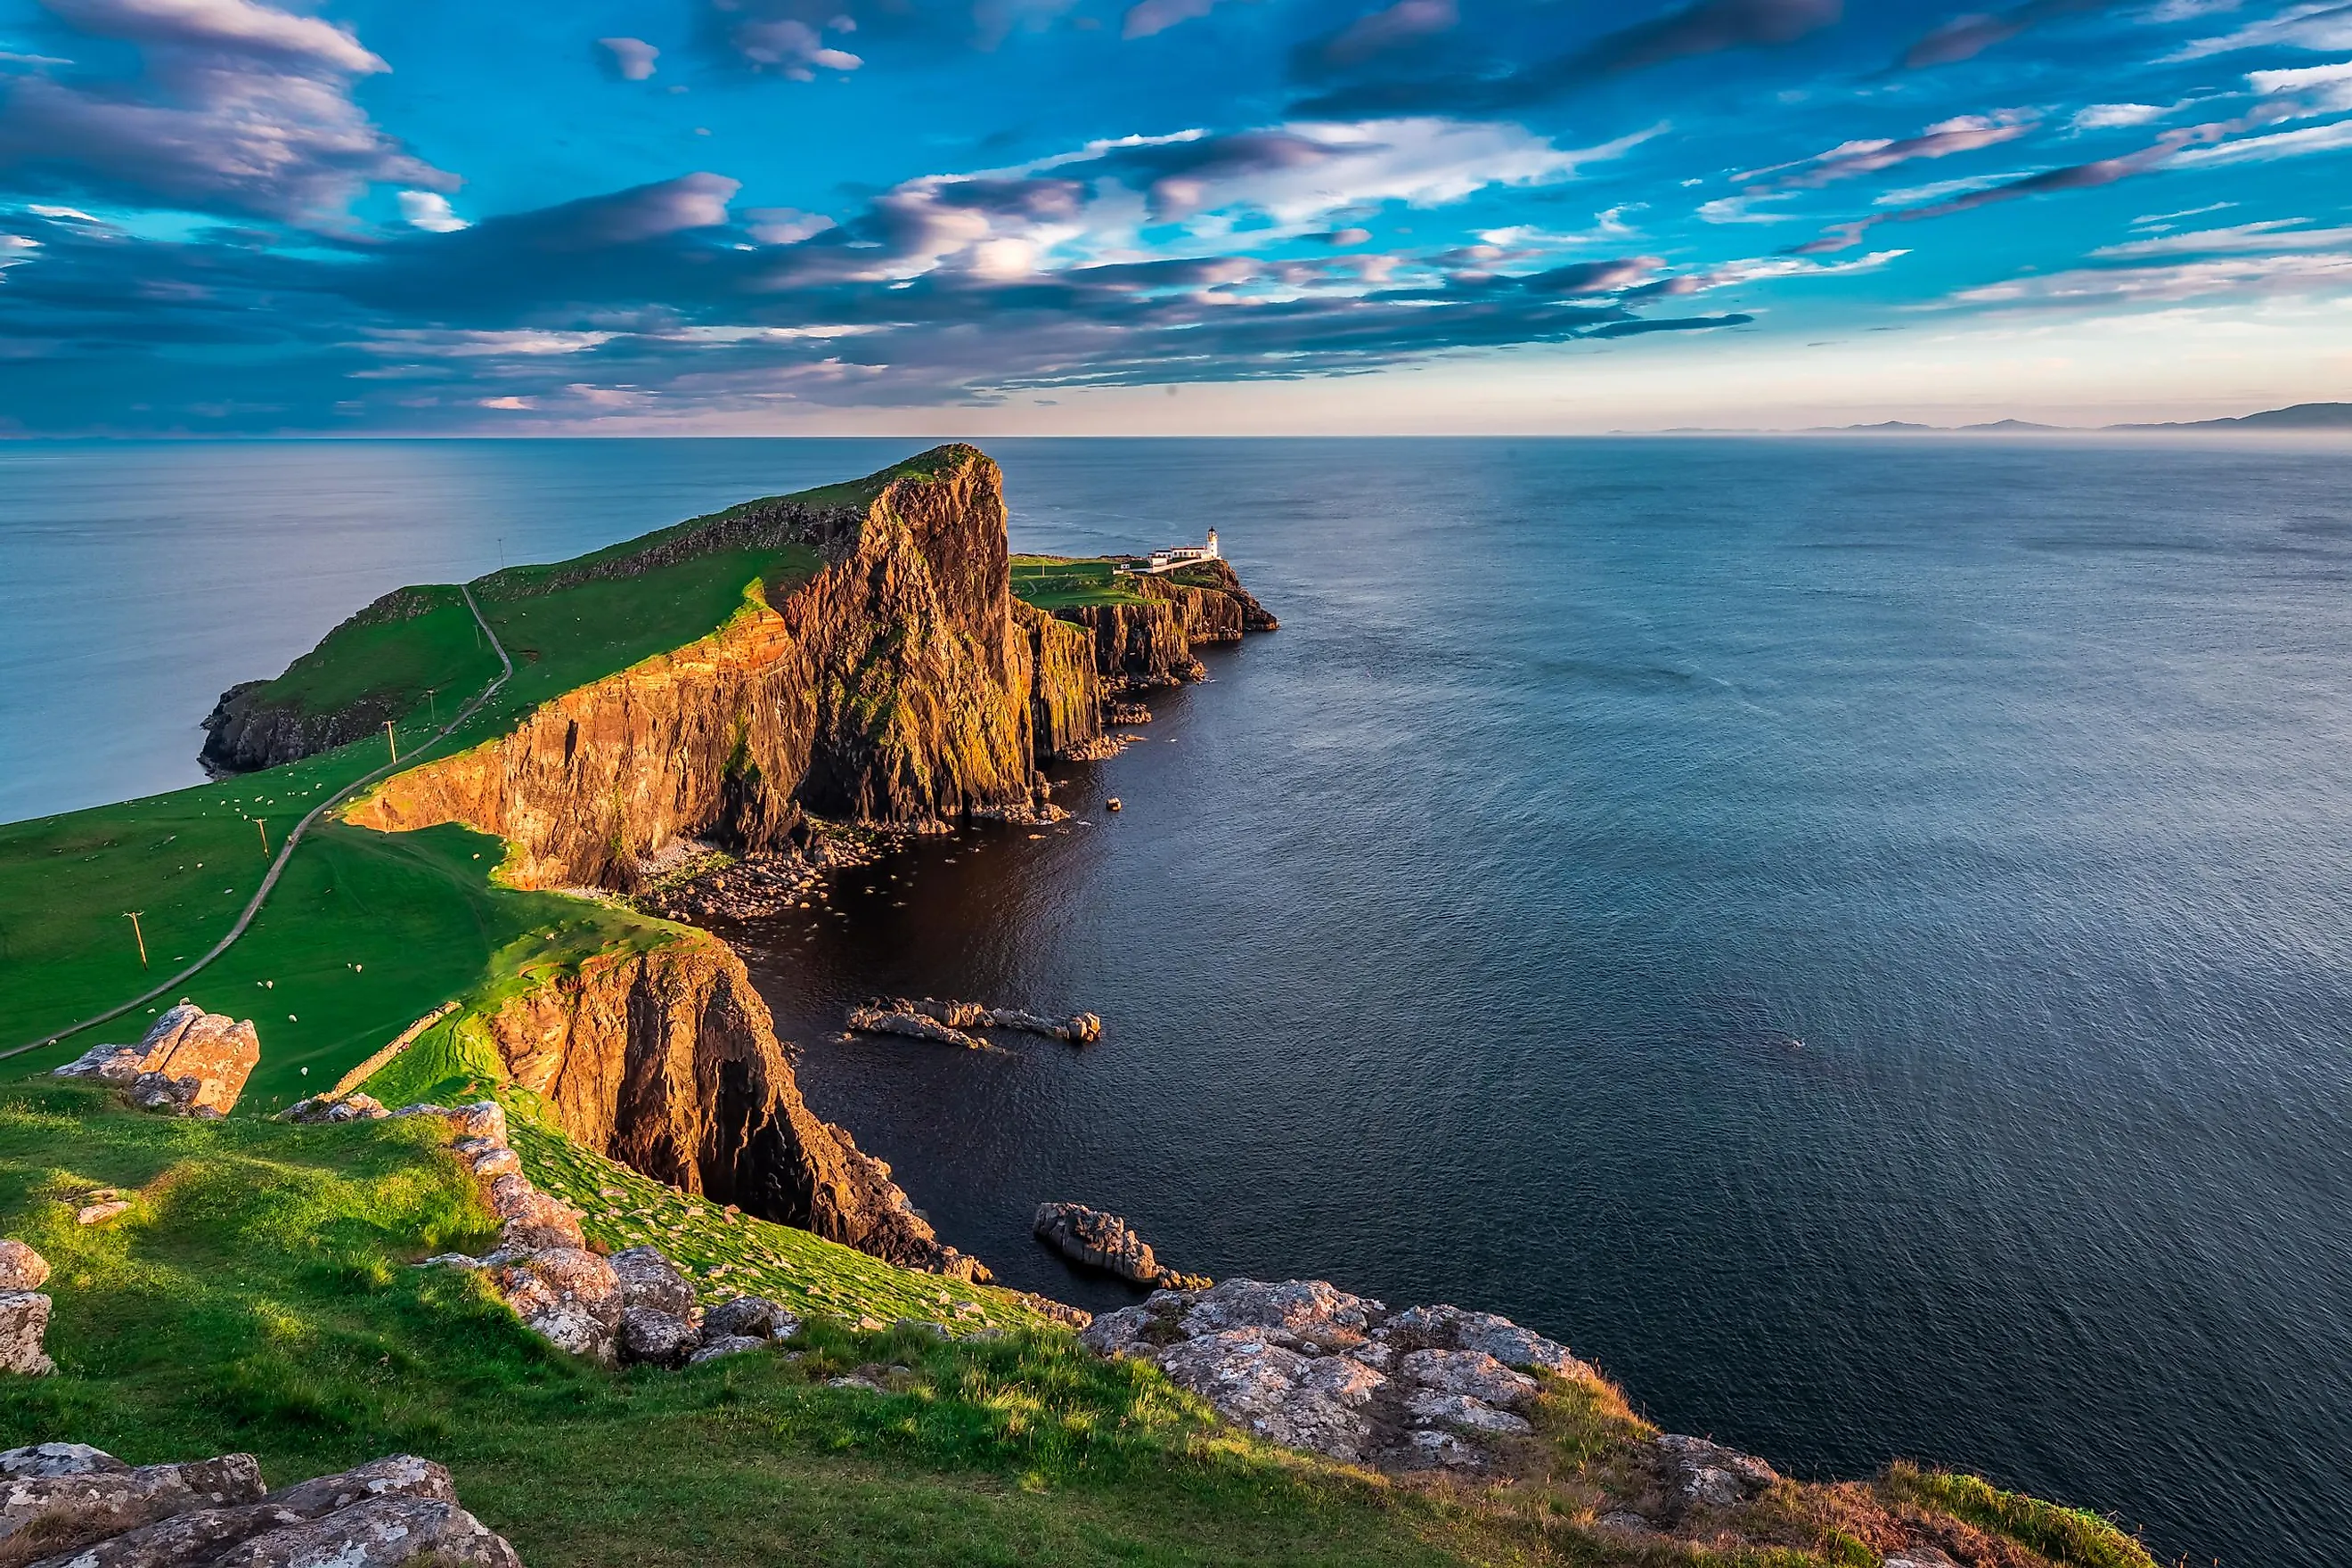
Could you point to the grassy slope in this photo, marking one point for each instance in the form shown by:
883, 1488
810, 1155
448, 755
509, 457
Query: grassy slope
1061, 583
259, 1297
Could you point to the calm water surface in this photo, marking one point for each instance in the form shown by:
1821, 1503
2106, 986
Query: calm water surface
1856, 937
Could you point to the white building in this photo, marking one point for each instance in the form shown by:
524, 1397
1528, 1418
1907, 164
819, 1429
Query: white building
1183, 556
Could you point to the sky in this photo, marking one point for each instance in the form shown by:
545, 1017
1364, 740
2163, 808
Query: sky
1097, 216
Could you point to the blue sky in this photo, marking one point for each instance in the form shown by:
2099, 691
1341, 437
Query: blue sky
1006, 216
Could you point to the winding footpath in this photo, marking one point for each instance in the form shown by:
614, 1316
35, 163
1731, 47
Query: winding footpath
286, 850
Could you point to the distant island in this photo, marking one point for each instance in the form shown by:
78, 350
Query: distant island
2302, 418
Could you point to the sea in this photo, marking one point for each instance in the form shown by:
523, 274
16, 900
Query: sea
1852, 935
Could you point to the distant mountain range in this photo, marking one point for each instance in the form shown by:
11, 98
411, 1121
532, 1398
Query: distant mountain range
2302, 417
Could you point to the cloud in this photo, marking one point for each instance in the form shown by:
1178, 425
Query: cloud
631, 59
786, 37
2328, 273
1965, 37
1965, 134
237, 108
785, 225
1371, 36
1586, 278
2323, 25
238, 27
1149, 16
2246, 237
16, 248
2269, 149
429, 210
624, 218
1704, 28
2108, 116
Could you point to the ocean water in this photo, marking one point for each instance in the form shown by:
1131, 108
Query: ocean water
1854, 936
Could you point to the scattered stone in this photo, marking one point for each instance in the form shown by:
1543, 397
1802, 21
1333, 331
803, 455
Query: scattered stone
656, 1338
1706, 1472
755, 1316
1126, 713
24, 1324
41, 1515
725, 1346
21, 1268
1113, 803
101, 1211
1919, 1557
948, 1022
191, 1063
335, 1108
1309, 1367
1106, 1242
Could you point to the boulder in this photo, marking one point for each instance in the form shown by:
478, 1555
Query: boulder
1307, 1366
568, 1295
1700, 1471
332, 1107
24, 1324
381, 1533
656, 1338
42, 1460
753, 1316
192, 1063
652, 1281
483, 1119
1106, 1242
43, 1515
725, 1346
21, 1268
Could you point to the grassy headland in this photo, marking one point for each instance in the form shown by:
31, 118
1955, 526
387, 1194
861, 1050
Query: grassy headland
1062, 583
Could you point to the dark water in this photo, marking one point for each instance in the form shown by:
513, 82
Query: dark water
1854, 937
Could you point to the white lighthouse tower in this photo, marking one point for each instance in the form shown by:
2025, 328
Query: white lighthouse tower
1211, 552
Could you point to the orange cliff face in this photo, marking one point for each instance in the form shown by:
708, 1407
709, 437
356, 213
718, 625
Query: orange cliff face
894, 686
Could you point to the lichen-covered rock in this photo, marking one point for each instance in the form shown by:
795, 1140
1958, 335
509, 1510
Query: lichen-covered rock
755, 1316
1308, 1365
725, 1346
656, 1338
652, 1281
1705, 1472
191, 1063
43, 1515
21, 1268
42, 1460
485, 1118
24, 1325
1106, 1242
381, 1533
335, 1108
1320, 1404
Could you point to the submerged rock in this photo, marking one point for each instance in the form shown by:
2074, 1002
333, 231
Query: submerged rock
1106, 1242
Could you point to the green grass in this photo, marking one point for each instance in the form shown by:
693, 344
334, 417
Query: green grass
259, 1297
398, 662
365, 932
1060, 583
2074, 1537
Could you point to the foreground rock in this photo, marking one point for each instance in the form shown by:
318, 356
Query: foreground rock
67, 1505
633, 1308
192, 1063
1307, 1366
1106, 1242
930, 1018
24, 1312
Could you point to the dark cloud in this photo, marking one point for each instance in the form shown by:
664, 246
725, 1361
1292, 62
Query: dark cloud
792, 38
1966, 134
1967, 36
1407, 24
657, 297
1705, 27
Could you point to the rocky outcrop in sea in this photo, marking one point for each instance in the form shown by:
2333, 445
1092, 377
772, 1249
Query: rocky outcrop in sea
1106, 1242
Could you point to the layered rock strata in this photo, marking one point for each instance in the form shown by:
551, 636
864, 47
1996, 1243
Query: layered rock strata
68, 1504
668, 1062
892, 687
191, 1063
1106, 1242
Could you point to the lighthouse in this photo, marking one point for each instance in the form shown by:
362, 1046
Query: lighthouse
1211, 552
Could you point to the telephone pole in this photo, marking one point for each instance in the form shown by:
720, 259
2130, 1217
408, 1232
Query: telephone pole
391, 739
137, 935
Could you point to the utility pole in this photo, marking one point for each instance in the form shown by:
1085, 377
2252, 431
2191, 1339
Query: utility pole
137, 935
264, 831
432, 708
391, 739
